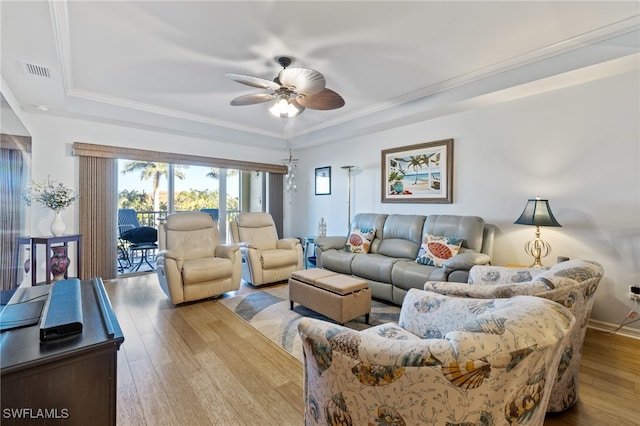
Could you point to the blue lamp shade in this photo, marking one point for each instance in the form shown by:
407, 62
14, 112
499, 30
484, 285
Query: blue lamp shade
537, 213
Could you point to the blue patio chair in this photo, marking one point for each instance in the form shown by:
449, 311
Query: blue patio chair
134, 237
130, 230
213, 212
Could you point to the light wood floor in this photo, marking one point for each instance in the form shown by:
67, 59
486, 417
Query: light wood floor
201, 365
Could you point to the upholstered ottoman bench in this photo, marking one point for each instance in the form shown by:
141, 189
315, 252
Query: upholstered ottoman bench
336, 296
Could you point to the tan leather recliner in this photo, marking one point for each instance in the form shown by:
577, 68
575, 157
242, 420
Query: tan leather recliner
265, 258
192, 264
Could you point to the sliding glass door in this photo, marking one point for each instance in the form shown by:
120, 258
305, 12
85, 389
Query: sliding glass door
154, 189
232, 186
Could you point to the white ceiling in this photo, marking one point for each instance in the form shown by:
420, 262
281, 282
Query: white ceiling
161, 64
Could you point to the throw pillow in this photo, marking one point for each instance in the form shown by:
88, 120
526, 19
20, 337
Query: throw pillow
466, 261
435, 250
359, 240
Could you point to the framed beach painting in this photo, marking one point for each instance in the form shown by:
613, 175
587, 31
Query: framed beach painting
421, 173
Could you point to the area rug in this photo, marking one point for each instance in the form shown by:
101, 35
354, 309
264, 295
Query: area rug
268, 311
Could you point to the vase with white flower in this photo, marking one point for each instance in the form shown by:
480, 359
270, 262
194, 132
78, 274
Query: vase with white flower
52, 194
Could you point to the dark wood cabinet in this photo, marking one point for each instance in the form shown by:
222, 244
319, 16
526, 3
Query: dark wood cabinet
69, 381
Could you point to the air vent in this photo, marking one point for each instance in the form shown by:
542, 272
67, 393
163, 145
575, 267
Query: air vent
37, 70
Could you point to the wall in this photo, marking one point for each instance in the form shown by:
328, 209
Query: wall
52, 151
578, 146
52, 139
10, 123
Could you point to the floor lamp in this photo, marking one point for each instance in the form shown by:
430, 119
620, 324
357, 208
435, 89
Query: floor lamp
349, 170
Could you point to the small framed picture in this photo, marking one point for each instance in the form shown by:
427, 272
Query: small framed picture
323, 180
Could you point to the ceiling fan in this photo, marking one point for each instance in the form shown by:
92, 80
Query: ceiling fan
294, 88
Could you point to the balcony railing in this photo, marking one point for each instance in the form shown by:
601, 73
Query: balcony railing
151, 218
154, 218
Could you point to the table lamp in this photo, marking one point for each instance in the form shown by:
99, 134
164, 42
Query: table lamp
537, 213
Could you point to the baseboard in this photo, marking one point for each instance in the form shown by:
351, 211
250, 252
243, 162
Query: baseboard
633, 333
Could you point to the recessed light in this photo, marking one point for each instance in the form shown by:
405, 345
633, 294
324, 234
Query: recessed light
42, 107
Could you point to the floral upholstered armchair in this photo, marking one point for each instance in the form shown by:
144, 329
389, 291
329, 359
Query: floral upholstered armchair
572, 284
448, 361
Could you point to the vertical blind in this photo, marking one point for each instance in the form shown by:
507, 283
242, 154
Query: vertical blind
98, 204
275, 199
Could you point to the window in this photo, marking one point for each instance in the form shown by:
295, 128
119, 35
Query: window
155, 189
98, 259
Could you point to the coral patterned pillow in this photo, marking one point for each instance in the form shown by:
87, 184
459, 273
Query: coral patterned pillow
359, 240
435, 250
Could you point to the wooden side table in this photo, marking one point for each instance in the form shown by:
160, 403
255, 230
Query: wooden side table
517, 265
50, 241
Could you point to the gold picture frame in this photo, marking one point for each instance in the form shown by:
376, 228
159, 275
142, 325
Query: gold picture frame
421, 173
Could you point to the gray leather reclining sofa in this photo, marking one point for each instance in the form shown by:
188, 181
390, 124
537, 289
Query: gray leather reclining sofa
390, 267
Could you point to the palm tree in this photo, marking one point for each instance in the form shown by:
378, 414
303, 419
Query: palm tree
154, 171
416, 162
215, 172
434, 160
134, 199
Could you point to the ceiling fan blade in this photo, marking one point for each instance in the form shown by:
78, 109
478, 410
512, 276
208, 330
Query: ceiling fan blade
254, 98
302, 80
326, 99
260, 83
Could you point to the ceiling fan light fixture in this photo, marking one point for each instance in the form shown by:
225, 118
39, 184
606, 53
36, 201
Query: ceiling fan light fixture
294, 89
284, 108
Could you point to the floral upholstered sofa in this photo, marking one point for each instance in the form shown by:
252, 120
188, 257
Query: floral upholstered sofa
449, 360
572, 284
